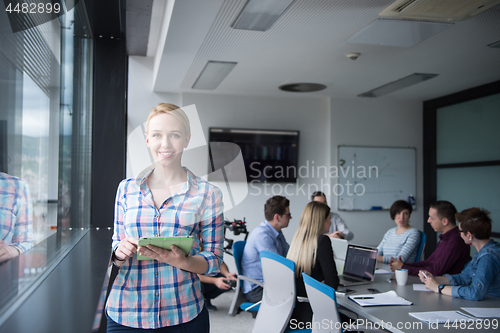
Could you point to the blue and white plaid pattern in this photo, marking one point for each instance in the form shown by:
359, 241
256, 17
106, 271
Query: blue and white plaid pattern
148, 294
16, 213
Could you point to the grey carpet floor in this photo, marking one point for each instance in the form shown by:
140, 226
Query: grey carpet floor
221, 321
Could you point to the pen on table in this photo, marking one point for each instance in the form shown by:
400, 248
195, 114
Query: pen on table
363, 297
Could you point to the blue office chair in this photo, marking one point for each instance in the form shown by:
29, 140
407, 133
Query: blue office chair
278, 299
239, 304
423, 239
325, 310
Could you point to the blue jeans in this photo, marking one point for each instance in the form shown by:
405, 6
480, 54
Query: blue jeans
200, 324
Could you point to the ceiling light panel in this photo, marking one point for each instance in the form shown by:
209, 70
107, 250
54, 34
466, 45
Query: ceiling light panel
260, 15
399, 84
213, 74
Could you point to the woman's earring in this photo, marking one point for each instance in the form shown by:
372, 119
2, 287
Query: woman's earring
470, 241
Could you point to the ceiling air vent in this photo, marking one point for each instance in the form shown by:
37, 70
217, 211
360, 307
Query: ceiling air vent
437, 10
302, 87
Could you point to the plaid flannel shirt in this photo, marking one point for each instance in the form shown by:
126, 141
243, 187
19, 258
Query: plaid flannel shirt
146, 293
16, 213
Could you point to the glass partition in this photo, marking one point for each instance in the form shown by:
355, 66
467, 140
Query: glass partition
468, 155
468, 131
472, 187
45, 148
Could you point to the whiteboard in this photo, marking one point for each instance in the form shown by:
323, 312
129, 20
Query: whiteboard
372, 178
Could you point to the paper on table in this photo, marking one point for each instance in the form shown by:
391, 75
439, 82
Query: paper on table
483, 312
388, 298
382, 271
442, 317
420, 287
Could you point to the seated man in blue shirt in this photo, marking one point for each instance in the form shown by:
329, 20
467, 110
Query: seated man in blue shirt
266, 237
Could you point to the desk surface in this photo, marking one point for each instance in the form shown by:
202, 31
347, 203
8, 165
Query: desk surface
397, 319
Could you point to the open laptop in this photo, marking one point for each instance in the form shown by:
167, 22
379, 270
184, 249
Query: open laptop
359, 267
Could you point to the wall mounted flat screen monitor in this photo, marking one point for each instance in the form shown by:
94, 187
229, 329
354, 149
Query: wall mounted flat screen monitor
269, 155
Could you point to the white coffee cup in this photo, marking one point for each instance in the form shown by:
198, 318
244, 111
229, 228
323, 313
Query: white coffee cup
401, 276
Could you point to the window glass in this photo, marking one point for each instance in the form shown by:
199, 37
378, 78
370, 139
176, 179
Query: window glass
36, 115
471, 187
45, 148
468, 132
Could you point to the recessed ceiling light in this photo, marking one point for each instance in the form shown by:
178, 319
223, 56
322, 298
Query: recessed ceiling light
398, 84
302, 87
260, 15
213, 74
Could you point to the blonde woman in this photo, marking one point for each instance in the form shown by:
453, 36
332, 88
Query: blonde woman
163, 294
311, 250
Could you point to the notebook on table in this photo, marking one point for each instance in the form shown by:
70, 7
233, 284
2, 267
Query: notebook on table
359, 266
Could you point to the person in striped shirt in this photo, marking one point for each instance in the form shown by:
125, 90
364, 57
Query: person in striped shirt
166, 199
401, 241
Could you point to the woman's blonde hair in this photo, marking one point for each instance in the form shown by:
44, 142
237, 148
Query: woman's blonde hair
173, 110
305, 241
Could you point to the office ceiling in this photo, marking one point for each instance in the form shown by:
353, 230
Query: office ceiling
309, 44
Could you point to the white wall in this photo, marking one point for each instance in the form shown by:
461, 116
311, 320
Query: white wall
323, 124
141, 98
309, 116
385, 123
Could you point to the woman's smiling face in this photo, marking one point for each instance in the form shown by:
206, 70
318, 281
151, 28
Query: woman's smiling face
166, 139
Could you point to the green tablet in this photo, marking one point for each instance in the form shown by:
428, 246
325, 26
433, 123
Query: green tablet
185, 243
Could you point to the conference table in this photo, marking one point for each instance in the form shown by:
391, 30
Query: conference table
397, 319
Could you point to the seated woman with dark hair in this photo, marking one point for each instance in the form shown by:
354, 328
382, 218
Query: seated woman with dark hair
481, 276
312, 253
401, 242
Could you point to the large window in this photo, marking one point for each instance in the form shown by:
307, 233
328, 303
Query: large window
462, 150
468, 131
45, 146
468, 155
468, 147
